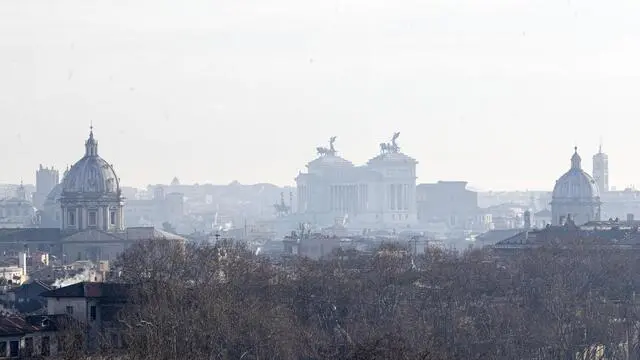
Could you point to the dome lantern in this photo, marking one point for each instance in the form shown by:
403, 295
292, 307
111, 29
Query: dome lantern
91, 145
576, 160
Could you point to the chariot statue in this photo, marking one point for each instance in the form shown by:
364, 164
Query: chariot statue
331, 150
392, 147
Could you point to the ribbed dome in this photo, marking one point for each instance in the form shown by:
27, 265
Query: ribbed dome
91, 174
54, 194
575, 183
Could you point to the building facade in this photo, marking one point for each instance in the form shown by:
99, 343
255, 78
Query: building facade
449, 202
601, 170
575, 196
381, 193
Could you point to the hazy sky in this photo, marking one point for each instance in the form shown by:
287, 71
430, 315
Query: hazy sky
493, 92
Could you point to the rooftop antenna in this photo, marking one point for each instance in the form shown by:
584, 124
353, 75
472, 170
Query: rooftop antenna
600, 147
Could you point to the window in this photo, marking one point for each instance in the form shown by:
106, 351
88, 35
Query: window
69, 310
3, 349
14, 349
93, 312
28, 346
93, 218
45, 347
71, 218
112, 217
114, 340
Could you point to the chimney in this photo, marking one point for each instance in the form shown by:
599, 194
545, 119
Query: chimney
630, 218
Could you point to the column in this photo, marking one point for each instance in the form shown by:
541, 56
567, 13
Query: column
332, 198
405, 188
392, 197
63, 217
347, 198
352, 200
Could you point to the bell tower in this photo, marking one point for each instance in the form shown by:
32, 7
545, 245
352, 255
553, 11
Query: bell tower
601, 170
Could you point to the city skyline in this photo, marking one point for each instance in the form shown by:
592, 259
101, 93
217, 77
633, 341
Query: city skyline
495, 94
470, 186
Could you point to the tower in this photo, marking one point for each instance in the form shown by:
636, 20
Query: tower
46, 179
601, 170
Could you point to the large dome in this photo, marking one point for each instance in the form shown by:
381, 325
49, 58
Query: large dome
91, 174
54, 194
575, 183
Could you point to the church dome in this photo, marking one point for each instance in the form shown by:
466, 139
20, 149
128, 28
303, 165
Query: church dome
91, 174
54, 194
575, 183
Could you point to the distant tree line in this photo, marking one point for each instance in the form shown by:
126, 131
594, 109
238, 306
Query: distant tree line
224, 302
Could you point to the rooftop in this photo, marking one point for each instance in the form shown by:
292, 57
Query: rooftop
96, 290
14, 325
613, 234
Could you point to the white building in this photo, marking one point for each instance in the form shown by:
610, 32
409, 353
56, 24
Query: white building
380, 194
575, 195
